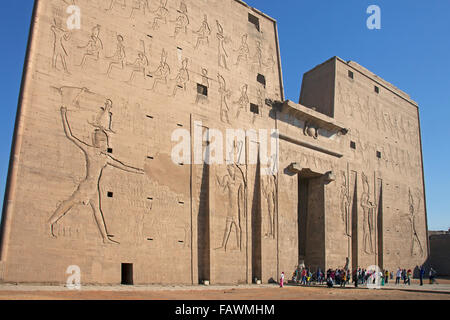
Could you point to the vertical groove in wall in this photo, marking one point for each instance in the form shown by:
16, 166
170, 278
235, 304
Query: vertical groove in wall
203, 229
380, 223
277, 199
355, 246
256, 225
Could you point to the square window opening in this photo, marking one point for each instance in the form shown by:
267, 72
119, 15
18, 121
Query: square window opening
202, 90
261, 79
254, 20
254, 108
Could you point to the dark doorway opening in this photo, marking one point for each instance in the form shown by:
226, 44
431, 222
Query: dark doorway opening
311, 245
303, 186
127, 274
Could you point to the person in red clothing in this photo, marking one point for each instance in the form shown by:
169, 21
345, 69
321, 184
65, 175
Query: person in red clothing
303, 281
408, 277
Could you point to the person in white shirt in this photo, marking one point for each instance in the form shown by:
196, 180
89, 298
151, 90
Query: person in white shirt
399, 275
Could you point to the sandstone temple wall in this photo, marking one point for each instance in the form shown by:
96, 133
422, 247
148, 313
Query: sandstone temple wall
93, 181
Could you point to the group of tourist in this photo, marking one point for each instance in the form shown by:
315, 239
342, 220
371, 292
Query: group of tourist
405, 276
305, 276
431, 275
364, 276
339, 277
401, 274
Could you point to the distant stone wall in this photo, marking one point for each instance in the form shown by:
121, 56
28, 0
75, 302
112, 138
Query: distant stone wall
440, 254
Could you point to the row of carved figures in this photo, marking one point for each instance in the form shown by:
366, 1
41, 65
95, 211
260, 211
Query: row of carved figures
393, 157
370, 213
160, 76
373, 114
95, 45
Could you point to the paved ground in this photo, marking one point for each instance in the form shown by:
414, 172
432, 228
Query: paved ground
439, 291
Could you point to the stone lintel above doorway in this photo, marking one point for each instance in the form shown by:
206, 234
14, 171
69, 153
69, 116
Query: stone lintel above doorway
296, 168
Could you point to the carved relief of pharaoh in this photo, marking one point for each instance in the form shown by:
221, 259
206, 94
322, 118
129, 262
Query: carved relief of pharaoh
161, 14
396, 124
243, 50
260, 97
225, 94
243, 100
182, 21
416, 245
93, 47
182, 77
387, 123
233, 184
87, 192
345, 202
374, 107
162, 72
402, 128
139, 6
269, 191
203, 33
103, 119
258, 58
140, 65
363, 112
223, 55
59, 50
368, 216
118, 58
270, 62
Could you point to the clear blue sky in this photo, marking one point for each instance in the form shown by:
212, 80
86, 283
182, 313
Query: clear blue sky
412, 51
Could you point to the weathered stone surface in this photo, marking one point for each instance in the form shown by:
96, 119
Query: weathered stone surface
92, 179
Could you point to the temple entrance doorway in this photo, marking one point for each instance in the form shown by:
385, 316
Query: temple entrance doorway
310, 212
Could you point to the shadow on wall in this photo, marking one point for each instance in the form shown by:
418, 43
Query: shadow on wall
416, 272
427, 266
439, 257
